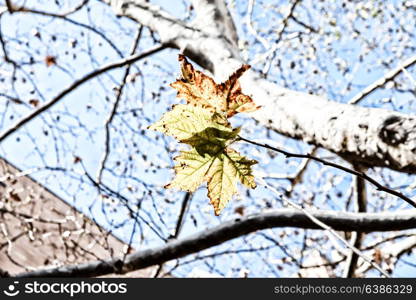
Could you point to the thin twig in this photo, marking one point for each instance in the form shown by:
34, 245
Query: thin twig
299, 174
10, 6
388, 239
133, 213
77, 83
382, 81
378, 185
277, 41
303, 24
184, 208
250, 27
356, 237
64, 16
115, 106
324, 226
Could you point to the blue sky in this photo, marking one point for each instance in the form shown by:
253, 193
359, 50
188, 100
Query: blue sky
82, 115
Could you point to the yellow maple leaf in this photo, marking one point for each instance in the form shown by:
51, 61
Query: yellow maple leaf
221, 170
203, 125
201, 90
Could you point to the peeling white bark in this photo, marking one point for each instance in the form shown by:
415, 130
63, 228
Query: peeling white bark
370, 136
373, 137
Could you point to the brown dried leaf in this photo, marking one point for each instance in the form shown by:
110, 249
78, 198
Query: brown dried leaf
239, 210
201, 90
34, 102
50, 60
77, 159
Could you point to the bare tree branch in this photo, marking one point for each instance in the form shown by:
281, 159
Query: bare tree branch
337, 166
391, 255
60, 15
342, 221
151, 16
77, 83
356, 238
250, 27
64, 16
115, 106
276, 45
326, 227
382, 81
184, 208
10, 6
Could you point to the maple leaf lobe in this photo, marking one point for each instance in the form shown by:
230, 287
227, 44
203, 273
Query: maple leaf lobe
221, 170
201, 90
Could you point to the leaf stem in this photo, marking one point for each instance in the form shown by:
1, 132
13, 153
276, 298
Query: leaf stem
362, 175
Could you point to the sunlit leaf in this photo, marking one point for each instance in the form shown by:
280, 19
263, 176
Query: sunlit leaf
202, 124
184, 121
227, 169
201, 90
222, 171
190, 168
